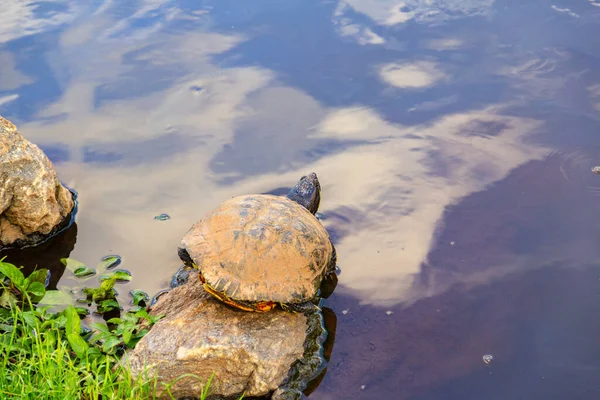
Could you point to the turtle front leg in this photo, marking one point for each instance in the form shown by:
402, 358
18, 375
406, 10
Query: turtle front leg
330, 271
181, 276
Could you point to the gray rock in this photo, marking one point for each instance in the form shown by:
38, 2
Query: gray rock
33, 202
250, 353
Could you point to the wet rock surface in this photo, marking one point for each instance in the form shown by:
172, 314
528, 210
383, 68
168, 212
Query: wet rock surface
249, 353
33, 202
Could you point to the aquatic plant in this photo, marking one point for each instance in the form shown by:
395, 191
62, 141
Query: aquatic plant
50, 355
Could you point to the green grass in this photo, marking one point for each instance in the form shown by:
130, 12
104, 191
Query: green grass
49, 355
38, 362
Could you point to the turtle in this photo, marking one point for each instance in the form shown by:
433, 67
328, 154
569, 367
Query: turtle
259, 251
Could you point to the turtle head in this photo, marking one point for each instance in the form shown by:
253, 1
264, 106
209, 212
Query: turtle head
307, 192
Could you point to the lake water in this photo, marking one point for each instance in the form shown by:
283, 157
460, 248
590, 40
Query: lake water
454, 141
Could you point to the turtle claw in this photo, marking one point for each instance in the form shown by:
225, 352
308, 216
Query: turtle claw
181, 276
332, 267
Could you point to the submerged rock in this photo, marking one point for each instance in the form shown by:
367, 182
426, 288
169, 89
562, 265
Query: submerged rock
251, 353
33, 203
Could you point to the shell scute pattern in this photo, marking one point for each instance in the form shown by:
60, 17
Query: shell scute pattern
261, 247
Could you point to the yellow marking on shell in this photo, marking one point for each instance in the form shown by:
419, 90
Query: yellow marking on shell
226, 299
226, 286
265, 306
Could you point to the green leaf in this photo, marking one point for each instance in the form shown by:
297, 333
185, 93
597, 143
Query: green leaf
60, 321
139, 296
105, 291
142, 333
133, 342
72, 264
78, 345
114, 321
155, 318
119, 275
29, 318
135, 309
12, 273
110, 343
82, 311
108, 305
84, 271
108, 284
93, 353
56, 297
109, 262
142, 314
100, 327
122, 275
7, 299
119, 330
50, 338
4, 314
130, 319
73, 325
39, 275
37, 290
127, 335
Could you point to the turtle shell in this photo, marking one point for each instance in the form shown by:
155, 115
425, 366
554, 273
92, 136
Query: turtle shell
261, 248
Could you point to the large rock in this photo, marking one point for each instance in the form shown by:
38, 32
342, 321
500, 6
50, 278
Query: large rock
33, 202
251, 353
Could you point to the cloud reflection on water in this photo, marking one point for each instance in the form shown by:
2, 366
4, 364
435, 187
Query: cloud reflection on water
393, 12
28, 17
136, 148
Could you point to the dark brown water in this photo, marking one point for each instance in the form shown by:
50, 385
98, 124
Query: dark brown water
454, 140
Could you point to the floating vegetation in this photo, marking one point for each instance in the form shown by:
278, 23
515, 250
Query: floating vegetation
162, 217
83, 272
15, 288
78, 268
104, 296
111, 261
120, 275
82, 311
57, 297
139, 297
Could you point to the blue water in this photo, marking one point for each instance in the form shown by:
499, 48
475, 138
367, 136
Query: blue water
454, 141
